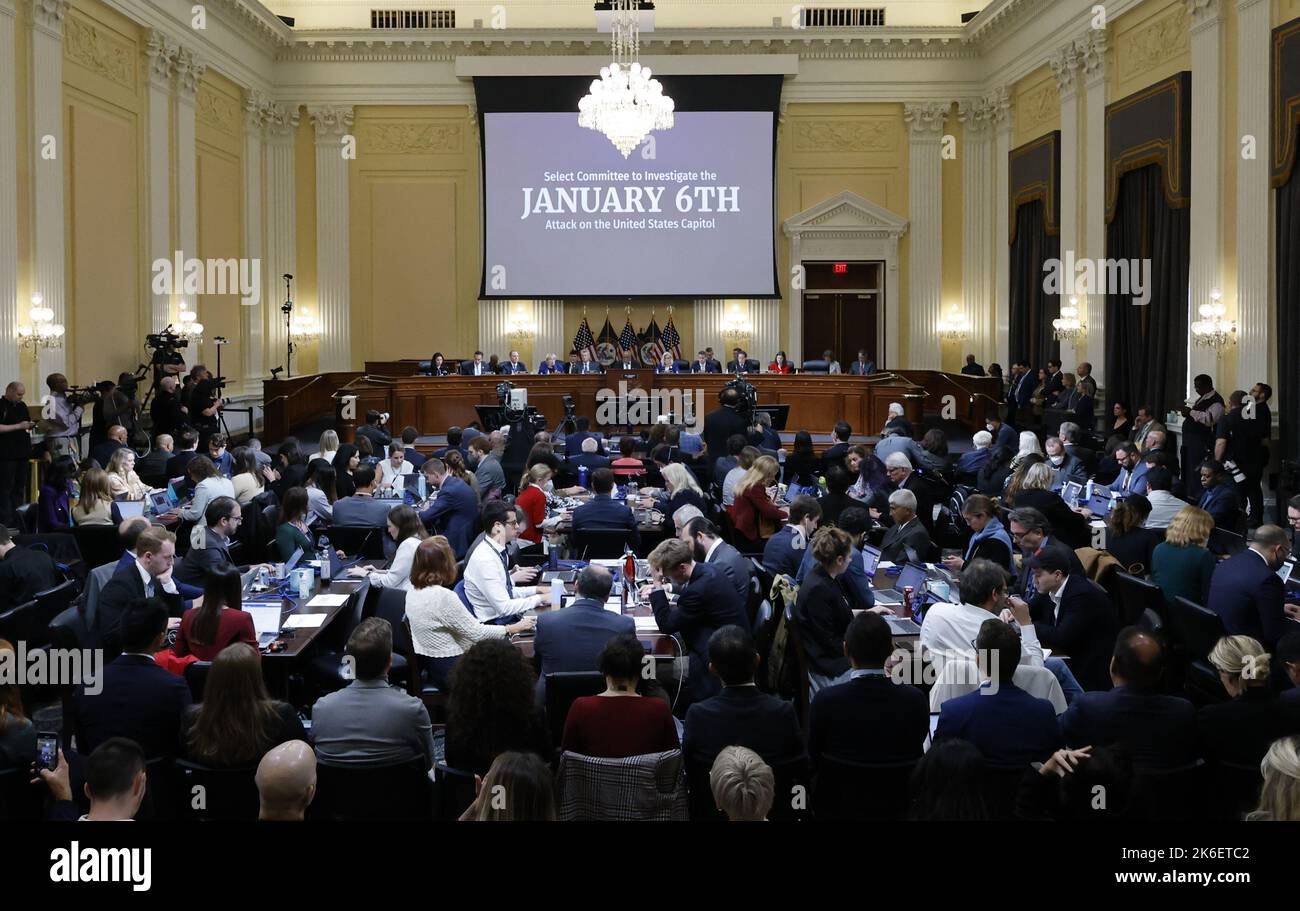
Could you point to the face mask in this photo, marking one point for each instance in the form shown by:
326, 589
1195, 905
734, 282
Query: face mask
1056, 460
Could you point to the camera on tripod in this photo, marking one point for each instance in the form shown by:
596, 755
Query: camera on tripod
81, 396
746, 399
165, 343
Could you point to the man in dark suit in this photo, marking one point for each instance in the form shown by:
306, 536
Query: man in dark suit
626, 360
1055, 383
453, 511
870, 718
709, 548
572, 639
715, 365
862, 366
1159, 731
179, 462
589, 457
972, 368
513, 365
152, 468
835, 453
413, 455
223, 517
1074, 616
1020, 395
585, 363
739, 362
707, 602
23, 572
455, 436
604, 511
1032, 533
134, 697
1247, 594
476, 366
117, 439
1003, 434
784, 551
702, 364
740, 714
149, 576
721, 423
899, 470
373, 428
573, 441
1009, 726
906, 541
362, 509
1219, 496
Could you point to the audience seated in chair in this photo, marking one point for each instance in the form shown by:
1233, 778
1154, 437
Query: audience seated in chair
286, 782
1247, 594
115, 783
906, 540
573, 639
709, 548
604, 512
491, 589
492, 708
784, 551
516, 788
1240, 730
743, 785
621, 721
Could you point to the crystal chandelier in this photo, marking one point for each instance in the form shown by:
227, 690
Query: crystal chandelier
955, 326
191, 329
1069, 328
1212, 330
303, 328
736, 327
521, 328
43, 331
625, 103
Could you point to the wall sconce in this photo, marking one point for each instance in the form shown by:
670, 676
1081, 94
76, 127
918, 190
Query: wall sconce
43, 333
1069, 328
190, 327
955, 326
1212, 330
736, 326
521, 327
303, 327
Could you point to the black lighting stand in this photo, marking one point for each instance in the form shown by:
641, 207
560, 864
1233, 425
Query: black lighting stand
287, 310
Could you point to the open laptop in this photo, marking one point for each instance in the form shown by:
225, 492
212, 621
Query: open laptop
1071, 492
912, 575
1100, 502
130, 509
266, 620
870, 560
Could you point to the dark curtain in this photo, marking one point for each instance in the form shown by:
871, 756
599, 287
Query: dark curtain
1032, 308
1288, 315
1146, 346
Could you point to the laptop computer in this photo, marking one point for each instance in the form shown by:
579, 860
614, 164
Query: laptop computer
912, 575
1071, 491
266, 620
130, 509
903, 626
1101, 502
870, 559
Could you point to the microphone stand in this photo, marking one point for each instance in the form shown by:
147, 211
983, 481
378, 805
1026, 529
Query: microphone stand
287, 310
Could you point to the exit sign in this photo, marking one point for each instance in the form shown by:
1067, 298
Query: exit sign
841, 268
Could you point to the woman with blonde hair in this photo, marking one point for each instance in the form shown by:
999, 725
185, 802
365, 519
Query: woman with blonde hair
1241, 729
1279, 799
122, 479
680, 489
1181, 564
753, 513
532, 500
96, 506
744, 461
329, 446
1031, 488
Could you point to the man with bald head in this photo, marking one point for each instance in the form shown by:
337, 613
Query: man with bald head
117, 439
286, 782
1159, 731
166, 409
152, 468
15, 451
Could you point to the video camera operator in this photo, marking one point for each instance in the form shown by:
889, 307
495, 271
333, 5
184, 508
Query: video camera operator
722, 423
168, 414
61, 422
117, 405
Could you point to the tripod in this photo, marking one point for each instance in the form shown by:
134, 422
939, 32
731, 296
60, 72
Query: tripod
287, 310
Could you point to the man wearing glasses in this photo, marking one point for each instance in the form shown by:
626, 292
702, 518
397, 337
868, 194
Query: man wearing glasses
489, 586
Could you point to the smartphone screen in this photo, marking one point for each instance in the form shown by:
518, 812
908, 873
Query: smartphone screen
47, 751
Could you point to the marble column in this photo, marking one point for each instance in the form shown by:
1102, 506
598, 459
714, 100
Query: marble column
1003, 122
46, 80
281, 125
925, 124
189, 73
1093, 61
161, 53
9, 310
1255, 250
332, 123
1065, 64
978, 215
1207, 173
254, 316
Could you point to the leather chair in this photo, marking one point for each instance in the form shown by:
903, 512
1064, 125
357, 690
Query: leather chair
373, 793
861, 792
563, 688
817, 366
228, 794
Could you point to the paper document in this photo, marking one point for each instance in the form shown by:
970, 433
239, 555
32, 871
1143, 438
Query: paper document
304, 621
329, 600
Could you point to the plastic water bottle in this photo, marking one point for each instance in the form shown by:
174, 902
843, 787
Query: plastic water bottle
582, 475
557, 592
263, 578
323, 554
631, 490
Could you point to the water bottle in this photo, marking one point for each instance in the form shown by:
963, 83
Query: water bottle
557, 592
323, 554
631, 490
263, 578
582, 475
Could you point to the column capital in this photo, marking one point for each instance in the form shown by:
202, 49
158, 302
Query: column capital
280, 122
978, 115
9, 8
1092, 57
189, 73
331, 121
1204, 13
1065, 64
999, 101
925, 119
161, 52
48, 15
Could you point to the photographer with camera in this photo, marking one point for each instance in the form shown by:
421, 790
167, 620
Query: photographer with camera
117, 406
15, 451
168, 414
62, 418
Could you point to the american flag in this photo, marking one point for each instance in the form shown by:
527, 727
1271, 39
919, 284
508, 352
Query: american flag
606, 344
627, 339
651, 349
584, 339
670, 340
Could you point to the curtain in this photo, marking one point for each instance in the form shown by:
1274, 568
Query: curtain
1031, 308
1288, 315
1146, 346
